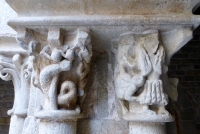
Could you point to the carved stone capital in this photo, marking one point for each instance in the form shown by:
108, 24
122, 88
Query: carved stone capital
53, 67
49, 77
140, 73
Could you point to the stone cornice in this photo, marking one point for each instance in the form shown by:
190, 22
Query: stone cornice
106, 20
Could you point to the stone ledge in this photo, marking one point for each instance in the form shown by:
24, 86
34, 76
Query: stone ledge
106, 20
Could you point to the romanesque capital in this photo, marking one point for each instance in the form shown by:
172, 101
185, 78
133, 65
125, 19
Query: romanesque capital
133, 42
141, 81
50, 78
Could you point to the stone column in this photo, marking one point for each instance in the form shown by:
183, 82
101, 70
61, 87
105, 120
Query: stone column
52, 73
12, 66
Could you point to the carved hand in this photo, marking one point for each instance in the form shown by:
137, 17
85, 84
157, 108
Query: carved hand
159, 60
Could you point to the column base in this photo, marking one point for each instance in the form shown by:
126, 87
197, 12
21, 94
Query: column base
59, 115
146, 128
58, 121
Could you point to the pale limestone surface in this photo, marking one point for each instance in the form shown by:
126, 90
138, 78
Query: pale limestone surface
41, 90
6, 12
141, 77
105, 7
150, 128
58, 81
140, 73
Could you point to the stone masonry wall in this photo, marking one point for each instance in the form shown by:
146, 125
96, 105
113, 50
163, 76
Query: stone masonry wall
6, 102
185, 65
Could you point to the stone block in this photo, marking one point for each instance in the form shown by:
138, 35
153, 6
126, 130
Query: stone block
2, 121
55, 37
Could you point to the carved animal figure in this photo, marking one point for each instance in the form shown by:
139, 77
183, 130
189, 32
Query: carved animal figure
52, 70
52, 61
67, 96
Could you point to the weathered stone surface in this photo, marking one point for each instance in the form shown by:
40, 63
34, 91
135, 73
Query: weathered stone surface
6, 12
95, 7
56, 38
104, 126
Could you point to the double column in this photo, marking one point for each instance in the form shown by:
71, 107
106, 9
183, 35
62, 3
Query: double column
49, 80
51, 73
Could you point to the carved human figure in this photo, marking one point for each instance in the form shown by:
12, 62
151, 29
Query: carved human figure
153, 93
140, 64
